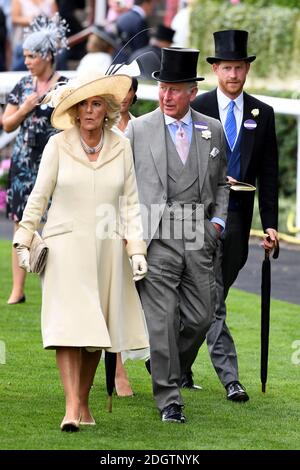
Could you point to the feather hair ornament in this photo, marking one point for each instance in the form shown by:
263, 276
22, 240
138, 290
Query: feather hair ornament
46, 35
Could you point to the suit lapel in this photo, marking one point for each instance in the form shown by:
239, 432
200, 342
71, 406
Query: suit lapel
212, 105
247, 138
155, 129
74, 147
202, 150
112, 146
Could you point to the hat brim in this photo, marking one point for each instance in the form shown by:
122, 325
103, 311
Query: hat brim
104, 36
213, 60
115, 85
156, 77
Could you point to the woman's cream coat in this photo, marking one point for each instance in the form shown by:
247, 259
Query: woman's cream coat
89, 297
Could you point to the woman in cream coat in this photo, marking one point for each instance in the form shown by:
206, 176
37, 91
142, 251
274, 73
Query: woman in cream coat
89, 299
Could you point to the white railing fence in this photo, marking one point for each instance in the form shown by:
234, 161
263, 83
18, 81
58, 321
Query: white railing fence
149, 92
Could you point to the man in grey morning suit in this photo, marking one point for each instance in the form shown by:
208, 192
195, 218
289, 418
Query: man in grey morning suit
181, 175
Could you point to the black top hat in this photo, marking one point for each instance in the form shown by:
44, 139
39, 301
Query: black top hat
231, 45
163, 32
105, 35
177, 65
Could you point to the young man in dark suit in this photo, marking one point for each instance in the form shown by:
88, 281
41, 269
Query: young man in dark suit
252, 157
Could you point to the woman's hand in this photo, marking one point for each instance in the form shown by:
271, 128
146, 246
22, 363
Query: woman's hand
30, 103
23, 257
14, 115
139, 267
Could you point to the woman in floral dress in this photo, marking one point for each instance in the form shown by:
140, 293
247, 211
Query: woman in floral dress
25, 110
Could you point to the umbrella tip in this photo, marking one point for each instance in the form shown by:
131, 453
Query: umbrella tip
263, 388
109, 404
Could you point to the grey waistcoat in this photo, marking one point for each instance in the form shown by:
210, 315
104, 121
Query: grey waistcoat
183, 184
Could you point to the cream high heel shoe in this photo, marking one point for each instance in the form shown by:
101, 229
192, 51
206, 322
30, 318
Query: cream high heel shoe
70, 425
88, 423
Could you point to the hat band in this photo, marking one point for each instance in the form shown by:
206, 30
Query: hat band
165, 76
235, 55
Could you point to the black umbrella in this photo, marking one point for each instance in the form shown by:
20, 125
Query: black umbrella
265, 314
110, 373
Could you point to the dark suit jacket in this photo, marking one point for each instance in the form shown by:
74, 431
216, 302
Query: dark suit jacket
129, 24
259, 157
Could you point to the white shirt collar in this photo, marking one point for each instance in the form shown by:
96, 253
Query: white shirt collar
186, 118
224, 101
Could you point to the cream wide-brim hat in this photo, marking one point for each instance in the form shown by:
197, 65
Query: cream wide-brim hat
81, 88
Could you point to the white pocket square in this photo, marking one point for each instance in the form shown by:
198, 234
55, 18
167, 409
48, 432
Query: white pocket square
214, 152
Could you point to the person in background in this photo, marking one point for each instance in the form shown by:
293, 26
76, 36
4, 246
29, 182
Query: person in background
129, 100
4, 43
73, 12
101, 46
252, 156
181, 24
116, 8
132, 22
123, 387
93, 230
180, 166
162, 36
23, 12
24, 110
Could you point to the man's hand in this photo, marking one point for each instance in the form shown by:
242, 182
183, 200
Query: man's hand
270, 240
218, 227
139, 267
231, 180
23, 257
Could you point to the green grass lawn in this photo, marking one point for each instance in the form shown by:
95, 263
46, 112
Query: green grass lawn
32, 402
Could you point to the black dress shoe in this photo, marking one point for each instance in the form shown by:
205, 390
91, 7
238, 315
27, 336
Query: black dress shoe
187, 381
173, 414
20, 301
236, 392
148, 365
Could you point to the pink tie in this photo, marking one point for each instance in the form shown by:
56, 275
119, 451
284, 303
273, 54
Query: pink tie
181, 142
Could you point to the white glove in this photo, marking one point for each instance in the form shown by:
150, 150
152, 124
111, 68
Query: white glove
23, 257
139, 267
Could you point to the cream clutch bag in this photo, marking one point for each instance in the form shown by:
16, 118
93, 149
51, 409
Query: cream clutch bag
38, 253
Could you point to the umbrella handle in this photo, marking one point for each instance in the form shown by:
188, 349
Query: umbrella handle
276, 251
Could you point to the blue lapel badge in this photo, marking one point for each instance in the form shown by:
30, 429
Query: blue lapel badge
250, 124
200, 126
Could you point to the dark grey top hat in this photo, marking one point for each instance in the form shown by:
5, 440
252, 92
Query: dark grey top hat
163, 32
105, 35
231, 45
177, 65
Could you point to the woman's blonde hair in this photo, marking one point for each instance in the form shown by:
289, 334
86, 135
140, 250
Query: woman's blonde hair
112, 115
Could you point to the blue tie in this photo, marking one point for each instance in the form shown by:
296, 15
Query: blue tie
230, 125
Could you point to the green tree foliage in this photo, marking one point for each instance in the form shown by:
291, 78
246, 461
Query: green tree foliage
274, 37
274, 33
267, 3
286, 131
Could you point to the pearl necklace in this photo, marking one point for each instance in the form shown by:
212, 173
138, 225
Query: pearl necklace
91, 150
